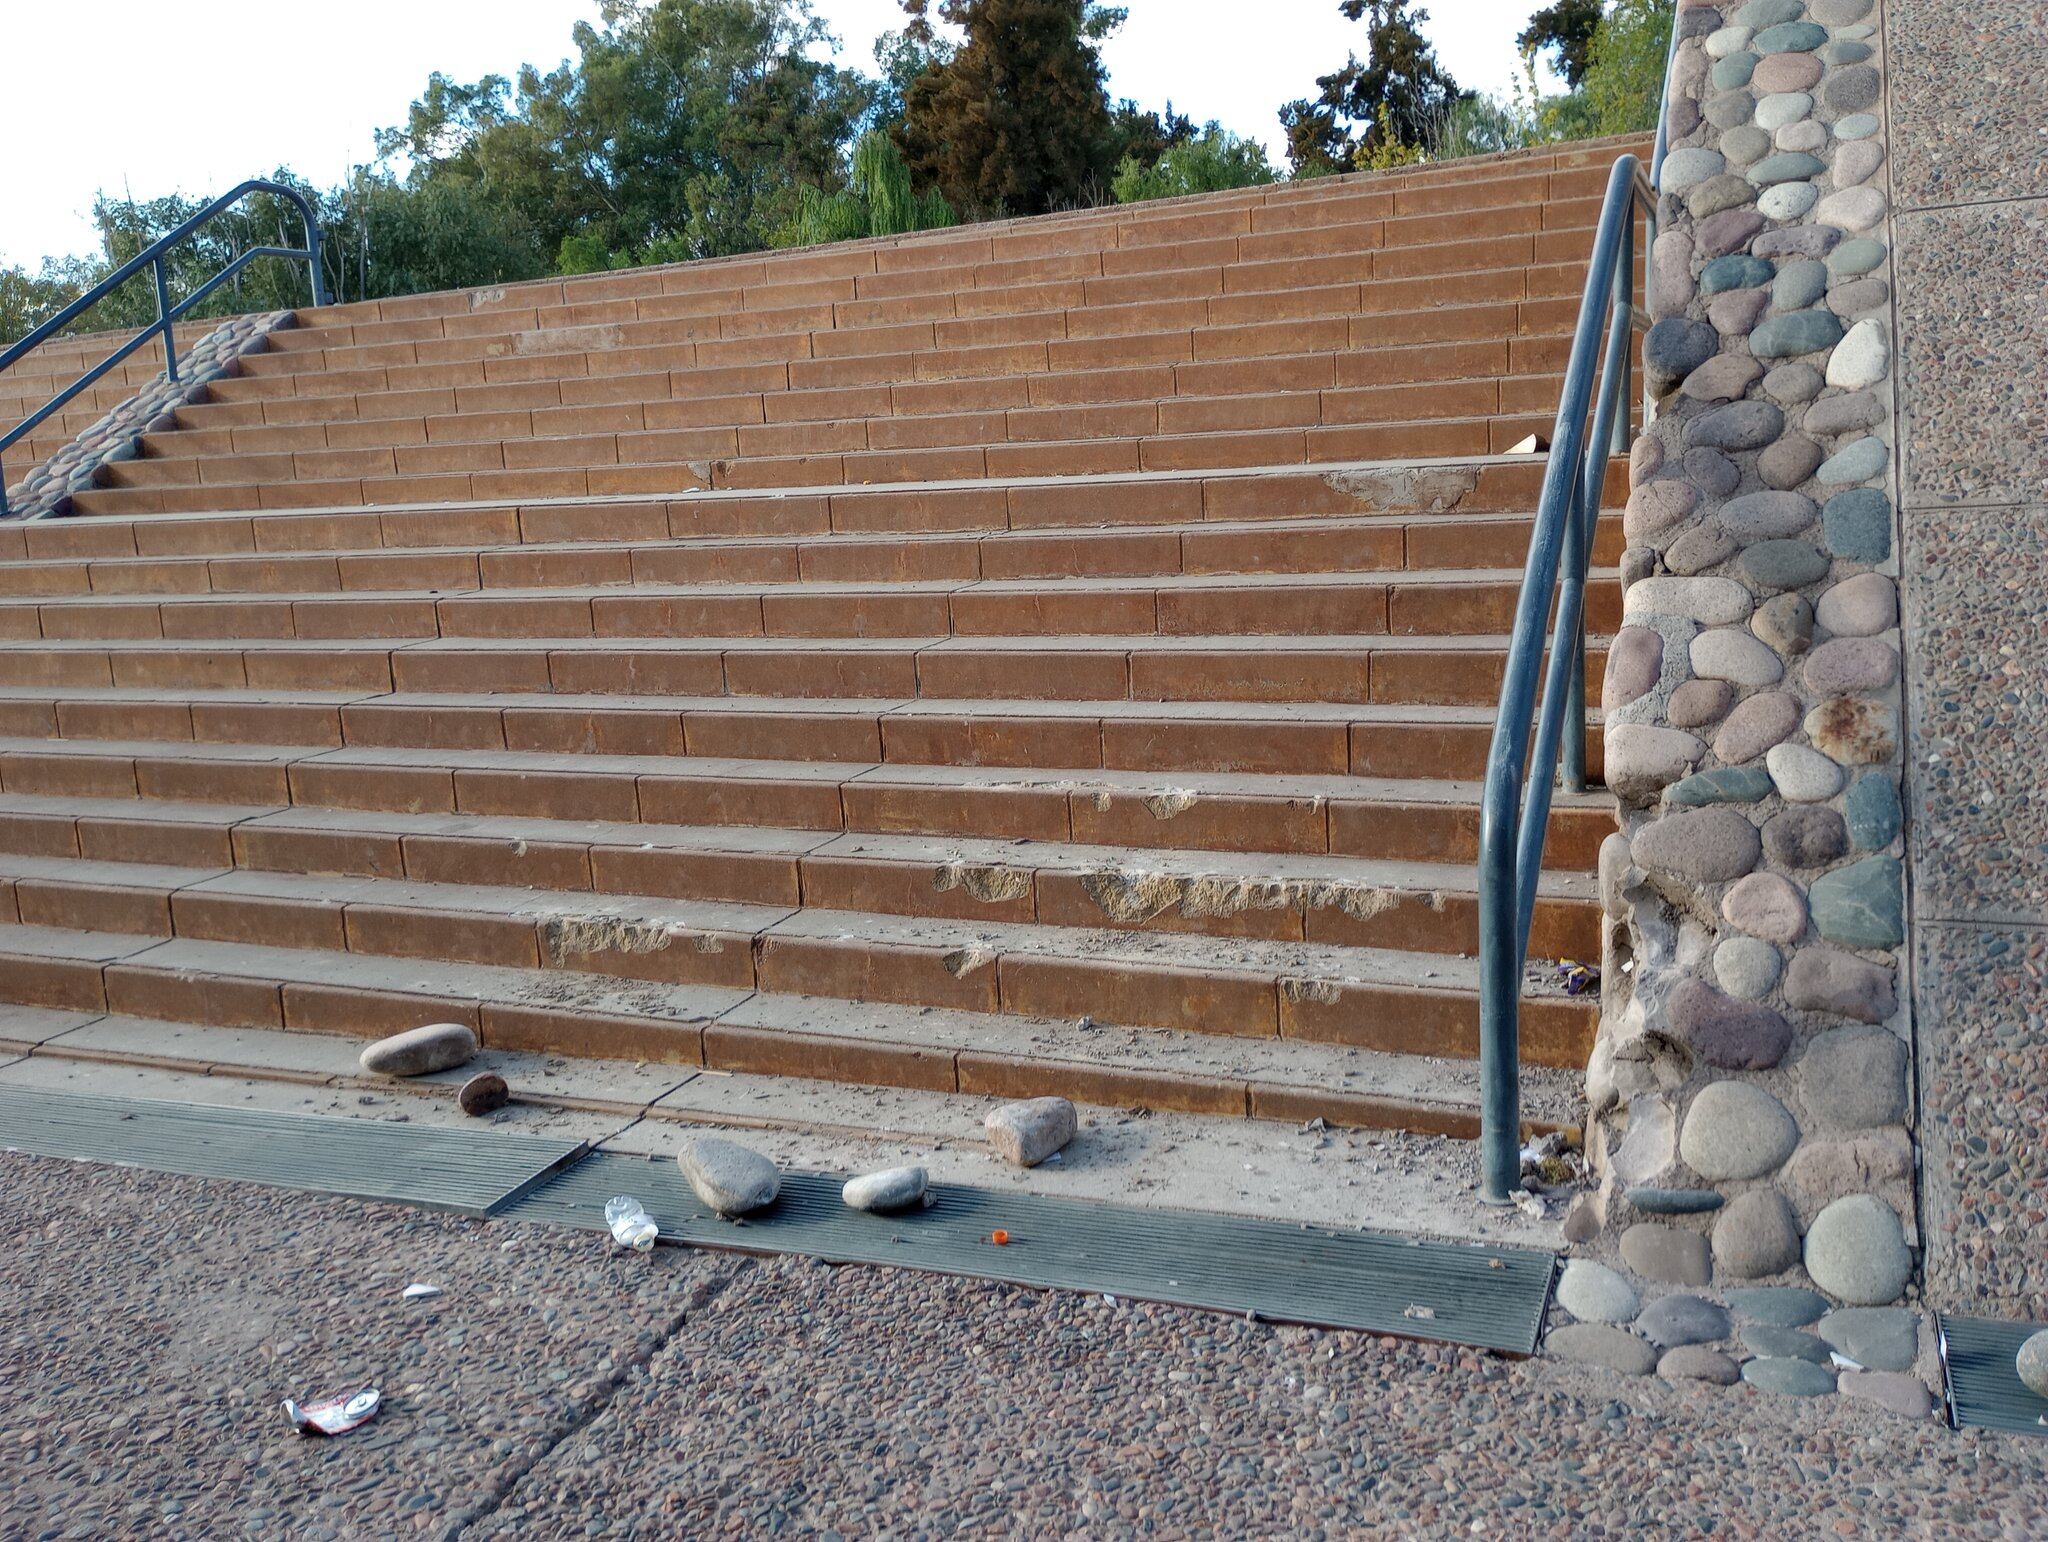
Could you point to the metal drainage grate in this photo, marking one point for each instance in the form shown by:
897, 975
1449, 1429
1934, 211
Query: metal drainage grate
1983, 1387
1493, 1297
475, 1171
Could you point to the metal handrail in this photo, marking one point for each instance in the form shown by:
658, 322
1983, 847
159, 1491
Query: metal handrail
1514, 816
167, 314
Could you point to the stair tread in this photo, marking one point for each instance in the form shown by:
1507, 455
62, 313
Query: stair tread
926, 851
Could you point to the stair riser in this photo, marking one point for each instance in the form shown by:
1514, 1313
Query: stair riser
1501, 487
1038, 810
1308, 609
1225, 1002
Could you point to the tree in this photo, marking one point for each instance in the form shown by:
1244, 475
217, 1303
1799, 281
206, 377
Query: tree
879, 201
1625, 68
1138, 135
1563, 29
1215, 160
683, 129
1377, 112
1017, 120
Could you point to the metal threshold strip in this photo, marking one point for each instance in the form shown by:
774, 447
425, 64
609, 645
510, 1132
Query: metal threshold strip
474, 1171
1984, 1389
1486, 1296
1490, 1297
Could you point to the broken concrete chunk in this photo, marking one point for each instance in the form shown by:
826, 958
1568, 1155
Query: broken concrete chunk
895, 1188
1025, 1134
420, 1051
728, 1177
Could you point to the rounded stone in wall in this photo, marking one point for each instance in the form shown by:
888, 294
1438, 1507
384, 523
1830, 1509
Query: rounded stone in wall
1746, 967
1766, 905
1856, 1250
1736, 1130
1709, 845
1756, 1235
1854, 1078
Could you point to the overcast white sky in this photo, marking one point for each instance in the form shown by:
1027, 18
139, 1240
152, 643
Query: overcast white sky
194, 97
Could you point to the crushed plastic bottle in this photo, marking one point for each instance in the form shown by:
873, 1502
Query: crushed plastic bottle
632, 1227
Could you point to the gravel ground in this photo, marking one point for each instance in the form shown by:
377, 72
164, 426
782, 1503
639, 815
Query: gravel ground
150, 1325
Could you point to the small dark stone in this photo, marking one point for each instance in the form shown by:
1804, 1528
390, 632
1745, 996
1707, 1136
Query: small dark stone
1738, 426
1782, 565
1848, 90
1724, 784
1712, 472
1674, 348
1873, 812
1735, 272
1858, 525
483, 1093
1805, 835
1654, 1201
1734, 1035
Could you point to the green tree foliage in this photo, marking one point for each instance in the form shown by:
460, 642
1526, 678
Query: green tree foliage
1564, 30
1214, 160
1377, 112
1016, 120
1625, 67
879, 201
683, 129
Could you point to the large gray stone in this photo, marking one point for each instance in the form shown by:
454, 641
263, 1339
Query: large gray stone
1593, 1292
1674, 348
1858, 525
728, 1177
1856, 1250
1723, 784
1796, 333
1670, 1321
1854, 1078
420, 1051
1844, 665
1805, 836
1782, 1306
1735, 655
1872, 812
1840, 984
1737, 426
895, 1188
1878, 1338
2032, 1364
1635, 662
1860, 906
1696, 1362
1803, 775
1747, 967
1592, 1343
1708, 601
1734, 1035
1845, 414
1736, 1130
1860, 607
1895, 1392
1784, 1343
1858, 461
1766, 905
1642, 759
1852, 89
1026, 1133
1756, 1235
1769, 515
1776, 565
1793, 1378
1667, 1253
1710, 845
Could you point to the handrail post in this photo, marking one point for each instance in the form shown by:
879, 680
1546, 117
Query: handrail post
163, 320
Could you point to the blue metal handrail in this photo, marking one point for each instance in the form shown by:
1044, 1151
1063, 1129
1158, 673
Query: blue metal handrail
1514, 816
167, 314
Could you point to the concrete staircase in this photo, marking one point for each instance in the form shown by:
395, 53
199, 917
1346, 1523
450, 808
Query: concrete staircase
1054, 656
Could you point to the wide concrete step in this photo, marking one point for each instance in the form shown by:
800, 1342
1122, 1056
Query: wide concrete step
1287, 739
1211, 306
1445, 602
1281, 390
804, 1039
1383, 544
659, 475
1191, 263
1367, 488
1381, 669
1366, 998
1410, 818
1423, 907
615, 437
